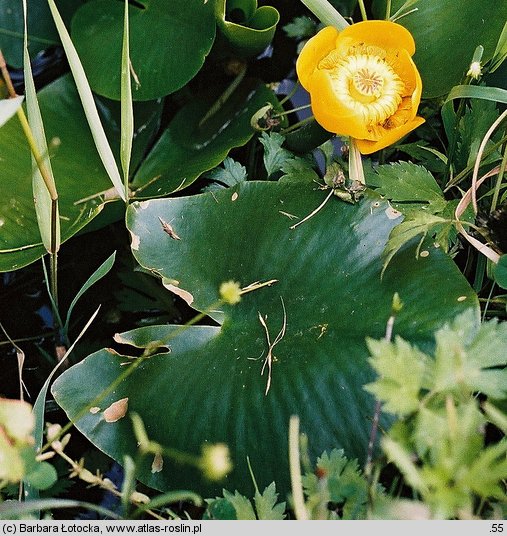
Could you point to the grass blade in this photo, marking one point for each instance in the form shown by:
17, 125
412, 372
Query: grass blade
127, 112
99, 273
43, 182
495, 94
39, 408
89, 107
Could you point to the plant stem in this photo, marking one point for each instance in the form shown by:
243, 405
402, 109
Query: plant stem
291, 94
498, 185
297, 125
294, 110
395, 308
356, 172
388, 9
480, 154
326, 13
363, 10
295, 470
54, 264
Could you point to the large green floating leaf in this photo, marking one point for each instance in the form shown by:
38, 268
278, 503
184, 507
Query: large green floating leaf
446, 33
41, 29
246, 28
209, 388
196, 142
76, 165
169, 41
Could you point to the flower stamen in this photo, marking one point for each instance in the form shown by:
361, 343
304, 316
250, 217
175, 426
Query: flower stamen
368, 82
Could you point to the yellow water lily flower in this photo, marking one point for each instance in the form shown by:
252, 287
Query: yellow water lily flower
363, 82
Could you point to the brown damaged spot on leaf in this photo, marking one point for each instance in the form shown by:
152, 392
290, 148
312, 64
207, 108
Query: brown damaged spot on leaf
112, 351
94, 410
134, 244
120, 340
184, 294
168, 229
117, 410
157, 464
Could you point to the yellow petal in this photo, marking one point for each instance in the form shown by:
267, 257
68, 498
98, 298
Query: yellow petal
380, 33
332, 113
390, 136
314, 50
405, 68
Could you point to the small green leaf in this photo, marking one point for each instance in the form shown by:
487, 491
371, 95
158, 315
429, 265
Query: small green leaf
416, 224
266, 504
466, 357
301, 27
275, 156
500, 272
340, 481
401, 368
299, 170
494, 94
220, 509
488, 472
98, 274
433, 160
404, 183
42, 477
230, 174
241, 504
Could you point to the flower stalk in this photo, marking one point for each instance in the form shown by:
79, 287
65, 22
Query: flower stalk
356, 171
326, 13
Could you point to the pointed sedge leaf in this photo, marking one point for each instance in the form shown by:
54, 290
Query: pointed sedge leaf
495, 94
127, 111
48, 216
8, 107
500, 54
99, 273
89, 107
327, 274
